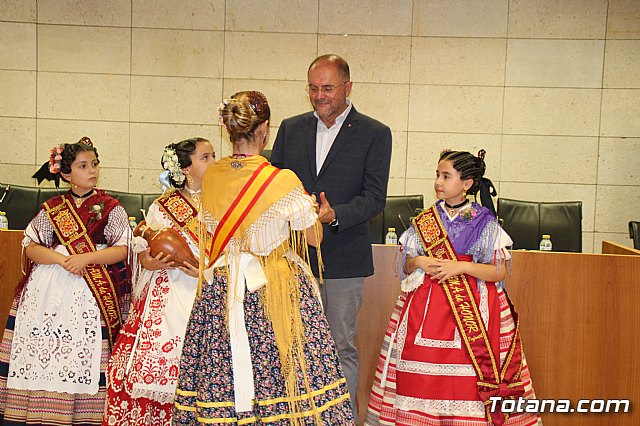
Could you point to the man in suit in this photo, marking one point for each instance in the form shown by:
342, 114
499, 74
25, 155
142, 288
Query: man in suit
343, 157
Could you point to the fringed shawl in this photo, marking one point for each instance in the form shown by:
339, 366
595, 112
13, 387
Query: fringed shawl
282, 256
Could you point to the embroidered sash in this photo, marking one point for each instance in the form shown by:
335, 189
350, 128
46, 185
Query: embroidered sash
72, 233
492, 381
184, 216
240, 208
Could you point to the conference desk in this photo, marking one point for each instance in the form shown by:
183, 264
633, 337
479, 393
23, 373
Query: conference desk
610, 247
10, 271
578, 317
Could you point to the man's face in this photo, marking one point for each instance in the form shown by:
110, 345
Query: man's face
327, 91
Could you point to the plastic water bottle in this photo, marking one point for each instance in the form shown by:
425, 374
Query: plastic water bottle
545, 243
4, 222
132, 222
391, 237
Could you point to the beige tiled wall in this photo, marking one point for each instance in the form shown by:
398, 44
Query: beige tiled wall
549, 88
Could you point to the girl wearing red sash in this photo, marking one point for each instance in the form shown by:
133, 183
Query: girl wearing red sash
453, 339
257, 348
69, 306
143, 369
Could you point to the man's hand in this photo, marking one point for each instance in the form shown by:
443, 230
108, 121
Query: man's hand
326, 214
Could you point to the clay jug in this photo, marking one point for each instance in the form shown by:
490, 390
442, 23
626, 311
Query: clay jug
168, 241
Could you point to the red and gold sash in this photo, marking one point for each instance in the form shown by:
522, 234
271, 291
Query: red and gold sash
492, 380
72, 233
184, 216
246, 199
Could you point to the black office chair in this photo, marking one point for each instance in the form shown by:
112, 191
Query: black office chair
46, 194
20, 204
634, 233
527, 221
397, 214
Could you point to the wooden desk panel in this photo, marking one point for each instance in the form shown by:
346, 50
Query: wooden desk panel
10, 273
380, 293
578, 321
610, 247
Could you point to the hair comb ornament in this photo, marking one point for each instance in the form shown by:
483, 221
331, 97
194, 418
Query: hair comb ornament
85, 140
258, 103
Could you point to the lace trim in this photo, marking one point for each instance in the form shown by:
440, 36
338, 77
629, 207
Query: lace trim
413, 280
456, 343
459, 370
158, 396
296, 208
441, 407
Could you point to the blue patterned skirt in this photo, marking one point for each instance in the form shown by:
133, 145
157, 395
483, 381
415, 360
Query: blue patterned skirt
205, 391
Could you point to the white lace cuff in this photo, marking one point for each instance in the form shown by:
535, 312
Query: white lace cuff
413, 280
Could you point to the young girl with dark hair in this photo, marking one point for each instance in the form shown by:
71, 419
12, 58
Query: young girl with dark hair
143, 369
70, 305
453, 341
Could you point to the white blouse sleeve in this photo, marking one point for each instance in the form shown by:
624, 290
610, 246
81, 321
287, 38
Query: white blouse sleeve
502, 244
299, 212
411, 244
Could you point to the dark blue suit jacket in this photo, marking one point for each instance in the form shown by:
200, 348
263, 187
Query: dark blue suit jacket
354, 178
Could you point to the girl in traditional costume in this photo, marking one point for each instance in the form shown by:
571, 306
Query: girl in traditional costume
70, 305
452, 349
258, 348
143, 369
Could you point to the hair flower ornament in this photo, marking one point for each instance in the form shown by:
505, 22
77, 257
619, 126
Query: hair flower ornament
221, 106
171, 163
55, 159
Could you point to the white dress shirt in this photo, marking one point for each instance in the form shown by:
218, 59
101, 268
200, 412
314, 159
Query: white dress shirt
325, 136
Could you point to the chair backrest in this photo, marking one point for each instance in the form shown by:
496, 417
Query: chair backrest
634, 233
20, 203
527, 221
132, 203
397, 213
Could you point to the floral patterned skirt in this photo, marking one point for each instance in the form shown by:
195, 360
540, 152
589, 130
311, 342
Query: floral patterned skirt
205, 391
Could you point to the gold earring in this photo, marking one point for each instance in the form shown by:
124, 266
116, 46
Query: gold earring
464, 193
189, 180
